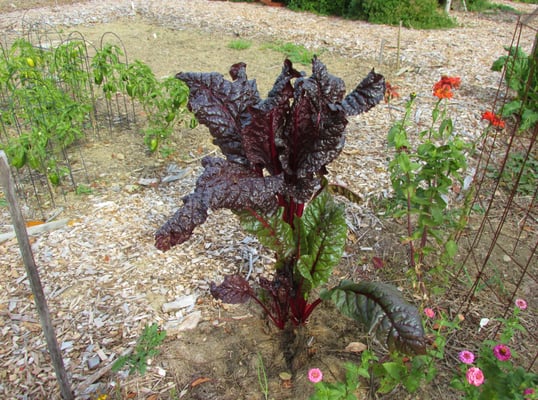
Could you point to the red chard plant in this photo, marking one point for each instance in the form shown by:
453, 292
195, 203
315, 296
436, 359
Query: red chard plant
276, 151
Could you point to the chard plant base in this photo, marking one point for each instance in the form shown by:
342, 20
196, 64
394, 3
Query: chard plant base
276, 152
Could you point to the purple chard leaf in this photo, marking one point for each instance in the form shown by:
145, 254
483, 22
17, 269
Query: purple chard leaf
234, 290
223, 184
220, 105
266, 121
366, 95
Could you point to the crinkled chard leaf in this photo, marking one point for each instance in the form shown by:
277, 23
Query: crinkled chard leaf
322, 231
266, 121
383, 310
221, 105
315, 132
294, 133
366, 95
233, 290
273, 232
223, 184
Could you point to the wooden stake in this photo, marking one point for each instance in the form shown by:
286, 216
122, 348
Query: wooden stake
398, 47
33, 276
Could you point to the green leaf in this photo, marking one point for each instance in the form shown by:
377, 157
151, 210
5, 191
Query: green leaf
323, 231
510, 108
528, 119
445, 128
274, 232
395, 369
451, 248
384, 312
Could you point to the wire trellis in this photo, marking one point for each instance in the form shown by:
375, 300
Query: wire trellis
501, 260
49, 71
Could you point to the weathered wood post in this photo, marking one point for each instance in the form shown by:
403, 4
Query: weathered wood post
33, 276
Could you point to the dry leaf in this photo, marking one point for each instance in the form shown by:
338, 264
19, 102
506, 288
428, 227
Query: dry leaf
199, 381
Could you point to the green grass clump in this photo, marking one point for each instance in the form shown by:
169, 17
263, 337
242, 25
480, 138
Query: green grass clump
295, 52
240, 44
486, 5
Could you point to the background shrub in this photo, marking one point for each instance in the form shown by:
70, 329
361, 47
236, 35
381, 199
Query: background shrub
420, 14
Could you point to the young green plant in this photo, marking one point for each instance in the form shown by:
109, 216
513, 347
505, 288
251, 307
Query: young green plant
423, 176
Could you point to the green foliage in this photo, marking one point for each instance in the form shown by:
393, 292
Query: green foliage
295, 52
503, 377
345, 390
486, 5
48, 100
273, 232
419, 14
518, 165
319, 237
324, 7
521, 75
83, 189
164, 101
262, 377
48, 117
383, 311
240, 44
422, 176
146, 347
322, 233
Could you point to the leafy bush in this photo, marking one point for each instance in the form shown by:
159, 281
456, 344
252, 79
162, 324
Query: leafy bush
521, 75
325, 7
421, 14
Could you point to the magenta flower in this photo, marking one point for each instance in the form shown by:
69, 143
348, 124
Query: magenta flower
475, 376
502, 352
466, 357
528, 391
315, 375
521, 304
429, 312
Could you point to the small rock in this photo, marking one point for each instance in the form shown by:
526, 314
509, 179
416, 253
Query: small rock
355, 347
94, 362
189, 322
148, 181
179, 303
507, 258
67, 345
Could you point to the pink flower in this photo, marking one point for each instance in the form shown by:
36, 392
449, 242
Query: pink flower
315, 375
466, 357
475, 376
521, 304
528, 391
429, 312
502, 352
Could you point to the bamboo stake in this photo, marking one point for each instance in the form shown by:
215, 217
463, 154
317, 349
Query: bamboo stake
33, 276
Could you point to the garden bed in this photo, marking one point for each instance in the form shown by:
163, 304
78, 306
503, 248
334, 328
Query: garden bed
104, 278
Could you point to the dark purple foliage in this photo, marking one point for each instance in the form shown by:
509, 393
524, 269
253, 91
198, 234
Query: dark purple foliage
290, 136
276, 151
